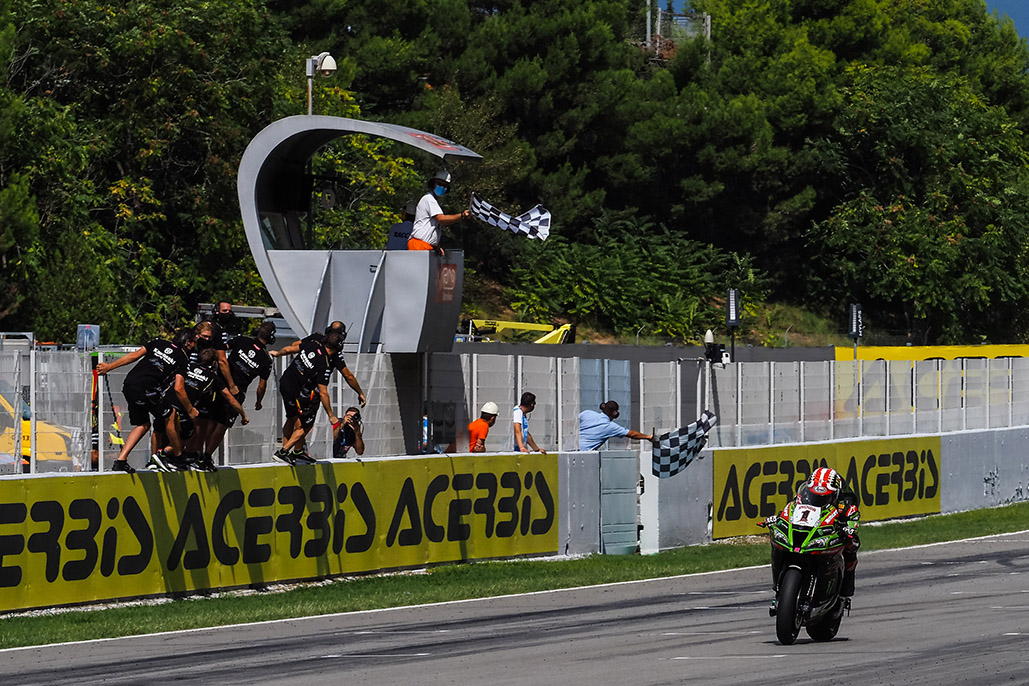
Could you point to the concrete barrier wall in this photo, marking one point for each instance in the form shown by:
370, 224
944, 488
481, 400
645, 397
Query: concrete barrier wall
726, 491
985, 469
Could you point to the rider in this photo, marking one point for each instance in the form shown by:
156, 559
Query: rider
827, 488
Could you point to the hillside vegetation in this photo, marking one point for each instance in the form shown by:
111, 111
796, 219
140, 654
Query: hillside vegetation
813, 153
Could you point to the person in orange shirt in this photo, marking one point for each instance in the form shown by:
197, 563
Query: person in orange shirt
479, 429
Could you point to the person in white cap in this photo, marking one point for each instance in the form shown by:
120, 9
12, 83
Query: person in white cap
429, 217
479, 429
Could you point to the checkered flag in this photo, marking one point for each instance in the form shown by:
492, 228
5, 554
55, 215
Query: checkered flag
535, 223
676, 449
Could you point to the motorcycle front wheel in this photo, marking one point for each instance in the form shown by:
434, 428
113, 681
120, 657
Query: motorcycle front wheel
826, 628
787, 607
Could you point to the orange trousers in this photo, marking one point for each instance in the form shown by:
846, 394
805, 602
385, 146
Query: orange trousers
418, 244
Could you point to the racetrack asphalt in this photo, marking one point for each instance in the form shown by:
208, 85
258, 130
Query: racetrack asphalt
951, 613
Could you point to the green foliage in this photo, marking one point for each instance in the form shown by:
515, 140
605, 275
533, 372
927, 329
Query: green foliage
933, 218
630, 276
164, 97
841, 150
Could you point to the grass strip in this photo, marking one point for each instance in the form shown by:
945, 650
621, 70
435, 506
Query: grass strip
472, 580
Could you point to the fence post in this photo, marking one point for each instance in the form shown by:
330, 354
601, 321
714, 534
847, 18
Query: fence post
800, 395
678, 395
859, 370
737, 369
101, 425
964, 394
914, 398
34, 410
832, 399
887, 391
475, 388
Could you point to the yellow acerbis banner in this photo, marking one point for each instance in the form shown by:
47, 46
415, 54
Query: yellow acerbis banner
84, 538
895, 477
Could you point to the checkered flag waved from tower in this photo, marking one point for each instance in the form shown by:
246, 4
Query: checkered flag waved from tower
535, 223
674, 450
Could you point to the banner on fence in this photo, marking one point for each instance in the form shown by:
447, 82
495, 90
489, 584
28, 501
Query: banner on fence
97, 537
896, 477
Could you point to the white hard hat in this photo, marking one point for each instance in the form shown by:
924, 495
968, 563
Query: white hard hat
410, 207
442, 175
490, 408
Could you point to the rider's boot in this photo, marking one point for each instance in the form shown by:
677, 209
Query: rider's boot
847, 589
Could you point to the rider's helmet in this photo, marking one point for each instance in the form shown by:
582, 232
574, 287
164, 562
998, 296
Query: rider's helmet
822, 489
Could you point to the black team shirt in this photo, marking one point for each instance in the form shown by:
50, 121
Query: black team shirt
156, 370
306, 372
248, 360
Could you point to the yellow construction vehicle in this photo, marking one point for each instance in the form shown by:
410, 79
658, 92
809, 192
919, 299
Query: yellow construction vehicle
479, 330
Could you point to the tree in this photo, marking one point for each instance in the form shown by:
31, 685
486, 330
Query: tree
932, 221
165, 97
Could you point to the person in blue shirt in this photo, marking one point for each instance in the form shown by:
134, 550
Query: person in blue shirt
596, 427
524, 442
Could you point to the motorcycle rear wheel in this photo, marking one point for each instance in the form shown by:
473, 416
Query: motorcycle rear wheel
787, 616
825, 629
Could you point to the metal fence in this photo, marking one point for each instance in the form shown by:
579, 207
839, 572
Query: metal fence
46, 399
764, 403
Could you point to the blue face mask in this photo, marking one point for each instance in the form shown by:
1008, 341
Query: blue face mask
440, 191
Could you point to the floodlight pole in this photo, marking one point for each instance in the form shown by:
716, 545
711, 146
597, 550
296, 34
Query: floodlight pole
732, 319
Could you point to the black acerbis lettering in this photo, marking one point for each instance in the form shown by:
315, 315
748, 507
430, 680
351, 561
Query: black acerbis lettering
730, 508
882, 480
433, 531
87, 510
253, 550
109, 552
769, 488
509, 504
318, 521
137, 521
289, 522
897, 475
852, 479
407, 504
458, 530
340, 520
866, 495
48, 542
911, 476
750, 510
486, 505
359, 543
543, 524
526, 517
786, 489
930, 461
11, 544
225, 553
192, 522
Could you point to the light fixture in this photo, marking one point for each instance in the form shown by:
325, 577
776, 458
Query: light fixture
857, 325
732, 318
322, 63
